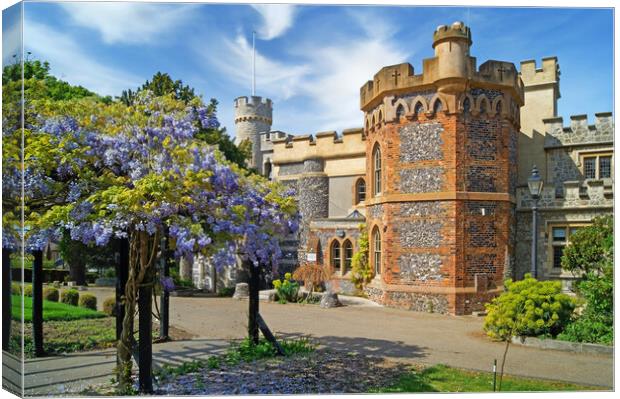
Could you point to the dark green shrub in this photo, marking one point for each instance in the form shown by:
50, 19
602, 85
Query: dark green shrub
361, 271
27, 289
88, 301
589, 247
51, 294
70, 297
109, 306
528, 308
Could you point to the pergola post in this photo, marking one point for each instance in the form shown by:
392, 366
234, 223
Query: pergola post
145, 333
37, 303
164, 321
253, 302
6, 298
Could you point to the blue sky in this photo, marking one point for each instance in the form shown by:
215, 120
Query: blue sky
311, 60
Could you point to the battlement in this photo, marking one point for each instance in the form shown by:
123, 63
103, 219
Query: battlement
451, 71
252, 101
324, 145
574, 194
457, 30
579, 131
532, 76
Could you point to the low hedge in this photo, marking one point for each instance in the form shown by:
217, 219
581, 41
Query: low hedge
51, 294
88, 301
109, 306
70, 297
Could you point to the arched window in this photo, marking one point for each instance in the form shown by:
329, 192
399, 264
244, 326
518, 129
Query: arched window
335, 255
372, 122
376, 163
268, 169
498, 107
380, 117
348, 255
319, 253
367, 127
419, 108
466, 105
438, 106
400, 111
360, 190
376, 240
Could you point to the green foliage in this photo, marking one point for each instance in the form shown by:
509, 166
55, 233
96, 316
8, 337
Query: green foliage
361, 271
247, 352
528, 308
51, 311
286, 289
440, 378
51, 294
80, 256
589, 247
88, 301
596, 322
70, 297
226, 292
161, 84
109, 306
38, 83
28, 290
178, 281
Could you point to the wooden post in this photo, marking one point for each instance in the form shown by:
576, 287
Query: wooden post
6, 298
145, 333
269, 336
37, 303
164, 302
253, 311
122, 272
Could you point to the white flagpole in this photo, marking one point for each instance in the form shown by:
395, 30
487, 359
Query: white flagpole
253, 63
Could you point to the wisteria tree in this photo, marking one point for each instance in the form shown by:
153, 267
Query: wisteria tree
137, 172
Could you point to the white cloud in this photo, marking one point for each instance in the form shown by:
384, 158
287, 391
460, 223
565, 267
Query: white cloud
69, 62
278, 80
277, 19
129, 23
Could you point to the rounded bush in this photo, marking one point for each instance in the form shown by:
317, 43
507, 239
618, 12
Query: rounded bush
70, 297
16, 289
51, 294
109, 306
28, 290
88, 301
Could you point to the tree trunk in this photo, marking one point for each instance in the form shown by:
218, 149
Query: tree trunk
501, 370
77, 272
164, 321
253, 302
122, 271
145, 333
142, 252
6, 298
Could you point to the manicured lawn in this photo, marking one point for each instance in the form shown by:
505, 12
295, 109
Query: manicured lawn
52, 311
442, 378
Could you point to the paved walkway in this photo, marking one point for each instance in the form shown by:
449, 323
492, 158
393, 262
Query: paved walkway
396, 334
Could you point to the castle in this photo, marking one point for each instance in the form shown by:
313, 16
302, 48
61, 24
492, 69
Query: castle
438, 175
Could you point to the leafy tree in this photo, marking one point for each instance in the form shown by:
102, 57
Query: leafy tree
589, 247
590, 254
79, 256
361, 272
527, 308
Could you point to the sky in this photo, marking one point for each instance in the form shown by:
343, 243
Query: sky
310, 60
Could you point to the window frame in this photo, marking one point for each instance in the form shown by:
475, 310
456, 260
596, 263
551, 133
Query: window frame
377, 177
347, 261
569, 229
335, 244
597, 155
376, 254
356, 188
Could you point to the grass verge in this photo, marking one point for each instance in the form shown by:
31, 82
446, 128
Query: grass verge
442, 378
52, 311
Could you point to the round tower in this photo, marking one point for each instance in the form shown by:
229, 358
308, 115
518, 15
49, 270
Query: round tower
451, 44
253, 117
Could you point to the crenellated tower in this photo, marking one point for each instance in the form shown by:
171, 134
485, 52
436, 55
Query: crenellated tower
442, 172
253, 118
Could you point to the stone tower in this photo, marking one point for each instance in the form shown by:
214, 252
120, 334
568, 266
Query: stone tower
441, 177
253, 117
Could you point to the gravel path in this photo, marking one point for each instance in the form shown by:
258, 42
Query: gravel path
320, 372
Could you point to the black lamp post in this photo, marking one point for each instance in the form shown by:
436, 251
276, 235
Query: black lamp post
535, 184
